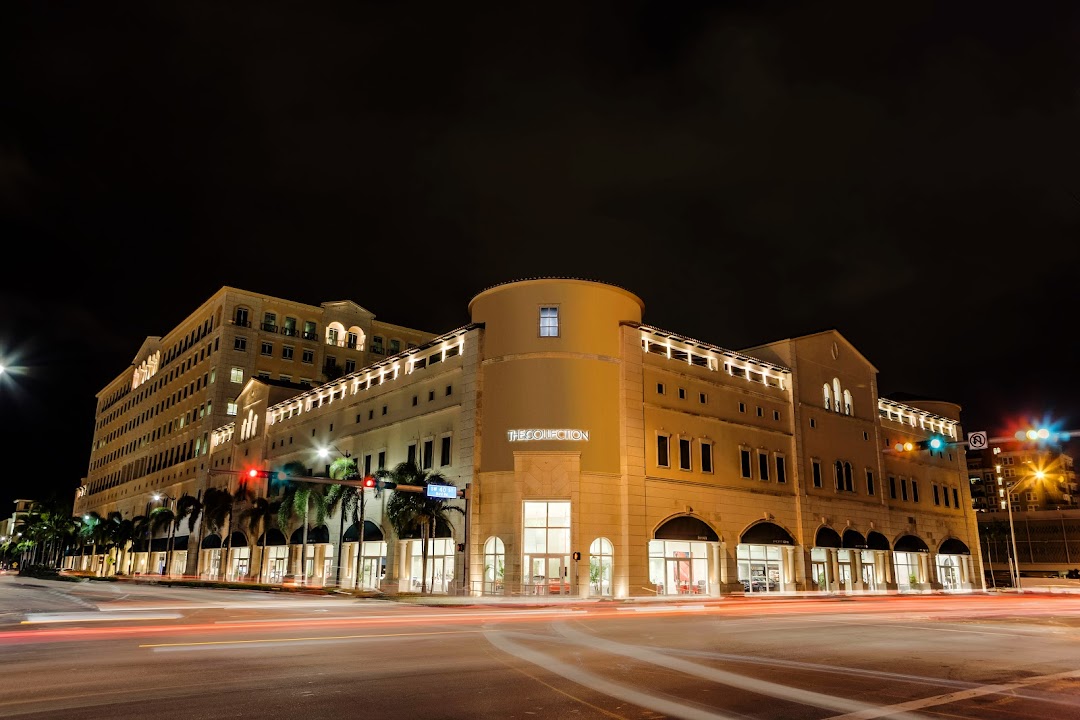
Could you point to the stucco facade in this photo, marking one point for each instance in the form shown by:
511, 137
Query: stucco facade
599, 455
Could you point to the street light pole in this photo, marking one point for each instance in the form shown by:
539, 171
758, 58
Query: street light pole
1012, 535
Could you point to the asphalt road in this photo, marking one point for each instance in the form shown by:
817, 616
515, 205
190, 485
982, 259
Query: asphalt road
118, 651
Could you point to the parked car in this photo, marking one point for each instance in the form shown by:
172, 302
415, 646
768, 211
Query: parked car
759, 584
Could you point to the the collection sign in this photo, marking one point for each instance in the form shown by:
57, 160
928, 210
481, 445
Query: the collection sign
547, 434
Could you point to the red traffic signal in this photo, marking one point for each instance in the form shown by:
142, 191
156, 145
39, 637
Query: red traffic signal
265, 474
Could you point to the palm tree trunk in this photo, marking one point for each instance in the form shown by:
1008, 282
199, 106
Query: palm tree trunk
432, 533
423, 558
340, 542
360, 542
262, 554
223, 566
303, 545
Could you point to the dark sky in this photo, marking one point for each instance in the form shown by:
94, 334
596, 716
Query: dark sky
906, 173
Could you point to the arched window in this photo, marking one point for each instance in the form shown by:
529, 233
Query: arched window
836, 393
847, 402
838, 470
849, 483
827, 393
600, 552
494, 565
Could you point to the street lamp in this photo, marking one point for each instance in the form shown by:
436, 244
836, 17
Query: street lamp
1038, 474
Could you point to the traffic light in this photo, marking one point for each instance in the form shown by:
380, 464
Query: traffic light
265, 474
370, 482
935, 442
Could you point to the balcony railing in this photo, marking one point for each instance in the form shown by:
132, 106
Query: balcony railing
309, 336
240, 323
269, 327
290, 331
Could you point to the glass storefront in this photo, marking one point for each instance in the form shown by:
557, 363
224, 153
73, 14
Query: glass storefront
546, 544
600, 566
438, 577
679, 567
760, 567
906, 566
494, 566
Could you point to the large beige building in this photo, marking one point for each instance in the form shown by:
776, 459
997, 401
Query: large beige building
154, 421
599, 455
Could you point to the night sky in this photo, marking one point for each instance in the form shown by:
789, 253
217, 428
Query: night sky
907, 174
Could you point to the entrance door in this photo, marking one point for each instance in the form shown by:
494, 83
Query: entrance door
680, 575
868, 576
558, 581
950, 579
844, 570
819, 573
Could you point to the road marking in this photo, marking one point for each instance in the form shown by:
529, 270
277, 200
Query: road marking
953, 697
305, 639
40, 618
720, 677
575, 674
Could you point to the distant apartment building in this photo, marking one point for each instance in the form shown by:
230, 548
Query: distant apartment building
1039, 482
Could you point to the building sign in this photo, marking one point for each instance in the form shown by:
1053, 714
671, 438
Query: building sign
560, 434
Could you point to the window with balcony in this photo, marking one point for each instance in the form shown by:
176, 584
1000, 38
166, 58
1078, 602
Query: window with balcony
269, 323
310, 330
241, 317
289, 327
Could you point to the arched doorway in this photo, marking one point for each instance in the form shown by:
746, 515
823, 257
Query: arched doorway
863, 562
372, 566
438, 576
951, 565
908, 554
273, 555
824, 570
760, 556
679, 556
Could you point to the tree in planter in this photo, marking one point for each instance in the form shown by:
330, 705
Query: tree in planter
416, 512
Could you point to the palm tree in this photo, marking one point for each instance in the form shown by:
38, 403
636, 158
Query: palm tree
45, 532
297, 500
415, 511
218, 506
257, 518
118, 532
142, 526
90, 532
164, 518
192, 507
350, 501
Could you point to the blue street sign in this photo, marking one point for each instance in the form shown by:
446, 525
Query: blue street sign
441, 491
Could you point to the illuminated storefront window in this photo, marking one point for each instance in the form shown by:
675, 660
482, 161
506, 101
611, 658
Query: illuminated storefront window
546, 548
679, 567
